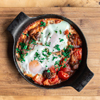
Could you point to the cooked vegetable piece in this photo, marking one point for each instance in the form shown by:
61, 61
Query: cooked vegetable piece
62, 75
38, 78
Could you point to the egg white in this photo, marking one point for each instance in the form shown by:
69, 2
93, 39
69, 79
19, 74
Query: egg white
50, 36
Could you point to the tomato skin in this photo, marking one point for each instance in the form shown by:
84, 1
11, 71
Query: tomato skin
66, 32
38, 78
62, 75
46, 82
78, 53
57, 21
53, 81
52, 69
66, 69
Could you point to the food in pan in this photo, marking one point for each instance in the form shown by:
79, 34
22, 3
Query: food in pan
49, 51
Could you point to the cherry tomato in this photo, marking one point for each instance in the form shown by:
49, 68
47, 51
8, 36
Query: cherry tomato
66, 69
62, 75
54, 80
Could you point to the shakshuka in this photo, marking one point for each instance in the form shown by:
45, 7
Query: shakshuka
49, 51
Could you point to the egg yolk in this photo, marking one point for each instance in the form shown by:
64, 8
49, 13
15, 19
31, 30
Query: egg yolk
34, 66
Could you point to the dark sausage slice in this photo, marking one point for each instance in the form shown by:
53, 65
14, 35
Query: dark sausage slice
46, 74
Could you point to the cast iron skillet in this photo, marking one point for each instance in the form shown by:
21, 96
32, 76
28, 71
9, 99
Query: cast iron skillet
82, 75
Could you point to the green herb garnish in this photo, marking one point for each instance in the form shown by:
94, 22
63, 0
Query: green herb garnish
46, 66
49, 34
41, 61
61, 39
27, 35
49, 53
59, 55
17, 50
33, 42
48, 71
26, 54
69, 33
42, 24
60, 31
55, 31
47, 44
57, 47
64, 66
54, 58
65, 59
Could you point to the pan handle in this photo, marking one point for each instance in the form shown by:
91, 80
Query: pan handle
80, 83
16, 23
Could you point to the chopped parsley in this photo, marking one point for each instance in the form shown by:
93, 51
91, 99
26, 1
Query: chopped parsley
47, 44
67, 51
41, 61
64, 66
48, 71
26, 54
49, 34
59, 55
71, 46
23, 33
65, 59
27, 35
61, 39
60, 31
42, 24
54, 58
57, 62
35, 58
41, 32
69, 35
46, 66
49, 53
57, 47
80, 61
33, 42
55, 31
42, 58
17, 50
23, 45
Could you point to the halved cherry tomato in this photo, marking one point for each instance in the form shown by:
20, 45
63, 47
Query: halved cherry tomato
38, 78
62, 75
54, 80
66, 69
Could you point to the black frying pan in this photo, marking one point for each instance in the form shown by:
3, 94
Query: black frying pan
81, 77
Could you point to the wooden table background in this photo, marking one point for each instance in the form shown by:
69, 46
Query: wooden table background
11, 82
50, 3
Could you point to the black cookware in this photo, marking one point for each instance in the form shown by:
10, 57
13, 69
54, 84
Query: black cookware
81, 77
